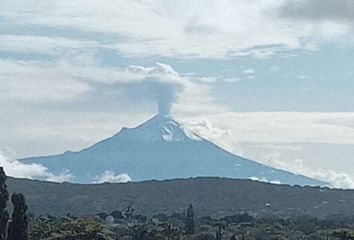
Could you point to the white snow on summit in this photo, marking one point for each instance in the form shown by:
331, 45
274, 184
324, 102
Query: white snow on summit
160, 127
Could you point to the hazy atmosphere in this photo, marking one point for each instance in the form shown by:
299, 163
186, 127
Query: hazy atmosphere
273, 83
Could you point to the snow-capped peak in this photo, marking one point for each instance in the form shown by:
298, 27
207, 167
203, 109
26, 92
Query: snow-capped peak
160, 127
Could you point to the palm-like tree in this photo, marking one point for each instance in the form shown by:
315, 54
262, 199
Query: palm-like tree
169, 231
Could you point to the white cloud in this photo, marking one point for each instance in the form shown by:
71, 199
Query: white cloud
210, 79
214, 134
208, 29
286, 127
335, 179
274, 135
273, 146
64, 176
248, 71
44, 44
15, 168
264, 180
37, 82
234, 79
109, 176
70, 78
205, 128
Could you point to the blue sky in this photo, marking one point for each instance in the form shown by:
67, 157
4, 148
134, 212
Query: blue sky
270, 80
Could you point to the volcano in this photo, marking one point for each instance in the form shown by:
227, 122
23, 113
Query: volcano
160, 149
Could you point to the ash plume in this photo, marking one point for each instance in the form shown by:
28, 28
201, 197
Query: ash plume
162, 84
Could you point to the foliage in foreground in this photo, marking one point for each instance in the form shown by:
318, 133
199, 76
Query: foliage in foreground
15, 228
48, 227
242, 226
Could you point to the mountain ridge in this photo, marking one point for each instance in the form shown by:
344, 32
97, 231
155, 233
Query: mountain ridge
161, 148
211, 196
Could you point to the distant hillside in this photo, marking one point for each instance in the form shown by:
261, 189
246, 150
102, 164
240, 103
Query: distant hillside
210, 196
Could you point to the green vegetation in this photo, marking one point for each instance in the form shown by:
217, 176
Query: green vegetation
160, 226
128, 223
50, 228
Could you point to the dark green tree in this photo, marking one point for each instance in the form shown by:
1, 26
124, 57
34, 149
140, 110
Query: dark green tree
4, 197
18, 227
343, 235
218, 235
130, 212
190, 226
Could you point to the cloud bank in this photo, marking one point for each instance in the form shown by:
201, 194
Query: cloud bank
18, 169
335, 179
285, 127
69, 81
193, 29
15, 168
278, 139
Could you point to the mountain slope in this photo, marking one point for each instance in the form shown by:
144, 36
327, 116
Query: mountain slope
209, 196
160, 149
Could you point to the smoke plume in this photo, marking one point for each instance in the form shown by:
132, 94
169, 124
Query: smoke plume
161, 83
164, 95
